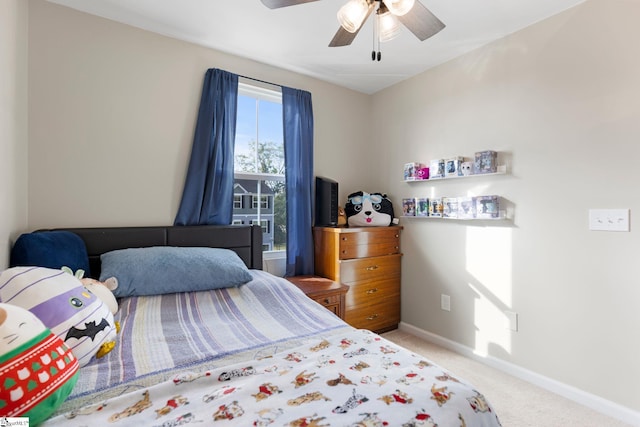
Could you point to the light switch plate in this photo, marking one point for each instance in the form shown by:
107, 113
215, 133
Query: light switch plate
609, 219
445, 302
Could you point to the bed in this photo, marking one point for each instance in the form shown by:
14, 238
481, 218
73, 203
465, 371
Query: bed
256, 354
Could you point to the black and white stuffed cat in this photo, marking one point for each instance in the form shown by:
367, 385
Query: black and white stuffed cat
368, 210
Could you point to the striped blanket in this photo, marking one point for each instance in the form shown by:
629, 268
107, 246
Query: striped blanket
165, 334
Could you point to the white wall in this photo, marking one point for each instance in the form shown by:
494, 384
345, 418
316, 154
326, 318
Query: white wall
111, 118
560, 101
13, 122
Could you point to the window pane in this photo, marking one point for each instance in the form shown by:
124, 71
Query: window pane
259, 164
271, 145
246, 135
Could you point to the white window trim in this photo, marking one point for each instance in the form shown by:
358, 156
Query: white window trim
259, 176
262, 93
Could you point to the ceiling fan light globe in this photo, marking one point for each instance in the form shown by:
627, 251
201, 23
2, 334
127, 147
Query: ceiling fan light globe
388, 27
399, 7
352, 14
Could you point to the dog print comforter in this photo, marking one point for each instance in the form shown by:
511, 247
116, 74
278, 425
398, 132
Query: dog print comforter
352, 378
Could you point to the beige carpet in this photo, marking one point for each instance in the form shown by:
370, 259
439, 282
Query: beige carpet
517, 402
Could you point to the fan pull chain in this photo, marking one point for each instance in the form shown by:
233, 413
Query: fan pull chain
376, 41
373, 51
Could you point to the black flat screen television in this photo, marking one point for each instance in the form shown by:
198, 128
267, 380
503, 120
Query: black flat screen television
326, 202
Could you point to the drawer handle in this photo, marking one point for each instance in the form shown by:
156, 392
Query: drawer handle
327, 301
371, 268
372, 291
372, 317
344, 239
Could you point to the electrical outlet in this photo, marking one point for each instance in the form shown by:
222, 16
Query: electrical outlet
609, 219
445, 302
512, 320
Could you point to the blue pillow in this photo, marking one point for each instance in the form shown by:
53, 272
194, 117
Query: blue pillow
167, 269
51, 249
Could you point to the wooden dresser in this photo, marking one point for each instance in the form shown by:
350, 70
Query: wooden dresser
368, 260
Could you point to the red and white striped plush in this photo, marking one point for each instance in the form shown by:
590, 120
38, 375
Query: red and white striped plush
63, 304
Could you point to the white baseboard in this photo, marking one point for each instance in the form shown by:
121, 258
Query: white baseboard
592, 401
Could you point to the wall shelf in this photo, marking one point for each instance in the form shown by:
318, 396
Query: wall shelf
502, 215
478, 208
501, 170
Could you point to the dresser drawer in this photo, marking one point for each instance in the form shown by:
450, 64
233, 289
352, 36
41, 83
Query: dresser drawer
373, 268
327, 300
378, 317
324, 291
372, 292
369, 244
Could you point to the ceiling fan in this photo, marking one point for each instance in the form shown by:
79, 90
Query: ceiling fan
411, 13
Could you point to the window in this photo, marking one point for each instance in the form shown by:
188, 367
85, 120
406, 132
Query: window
237, 202
264, 202
262, 223
259, 163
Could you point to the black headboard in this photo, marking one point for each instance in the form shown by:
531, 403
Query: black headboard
245, 240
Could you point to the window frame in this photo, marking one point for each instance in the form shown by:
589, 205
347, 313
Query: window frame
260, 199
237, 201
257, 91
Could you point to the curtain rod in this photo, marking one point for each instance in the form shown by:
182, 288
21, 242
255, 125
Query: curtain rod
261, 81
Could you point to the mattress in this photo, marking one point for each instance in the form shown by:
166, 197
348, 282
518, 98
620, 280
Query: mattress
261, 354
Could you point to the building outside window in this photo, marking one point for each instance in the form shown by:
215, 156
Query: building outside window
250, 191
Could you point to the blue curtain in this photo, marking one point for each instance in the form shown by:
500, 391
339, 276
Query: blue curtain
298, 155
207, 197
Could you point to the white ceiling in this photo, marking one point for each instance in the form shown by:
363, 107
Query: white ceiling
296, 38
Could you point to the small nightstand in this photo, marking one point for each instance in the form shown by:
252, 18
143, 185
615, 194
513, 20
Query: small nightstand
324, 291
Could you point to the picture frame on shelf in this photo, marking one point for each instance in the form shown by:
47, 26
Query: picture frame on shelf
485, 162
413, 171
436, 169
487, 207
422, 206
409, 207
435, 207
453, 167
450, 207
466, 208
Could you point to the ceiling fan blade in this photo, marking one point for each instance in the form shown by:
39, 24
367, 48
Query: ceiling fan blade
344, 37
276, 4
421, 22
